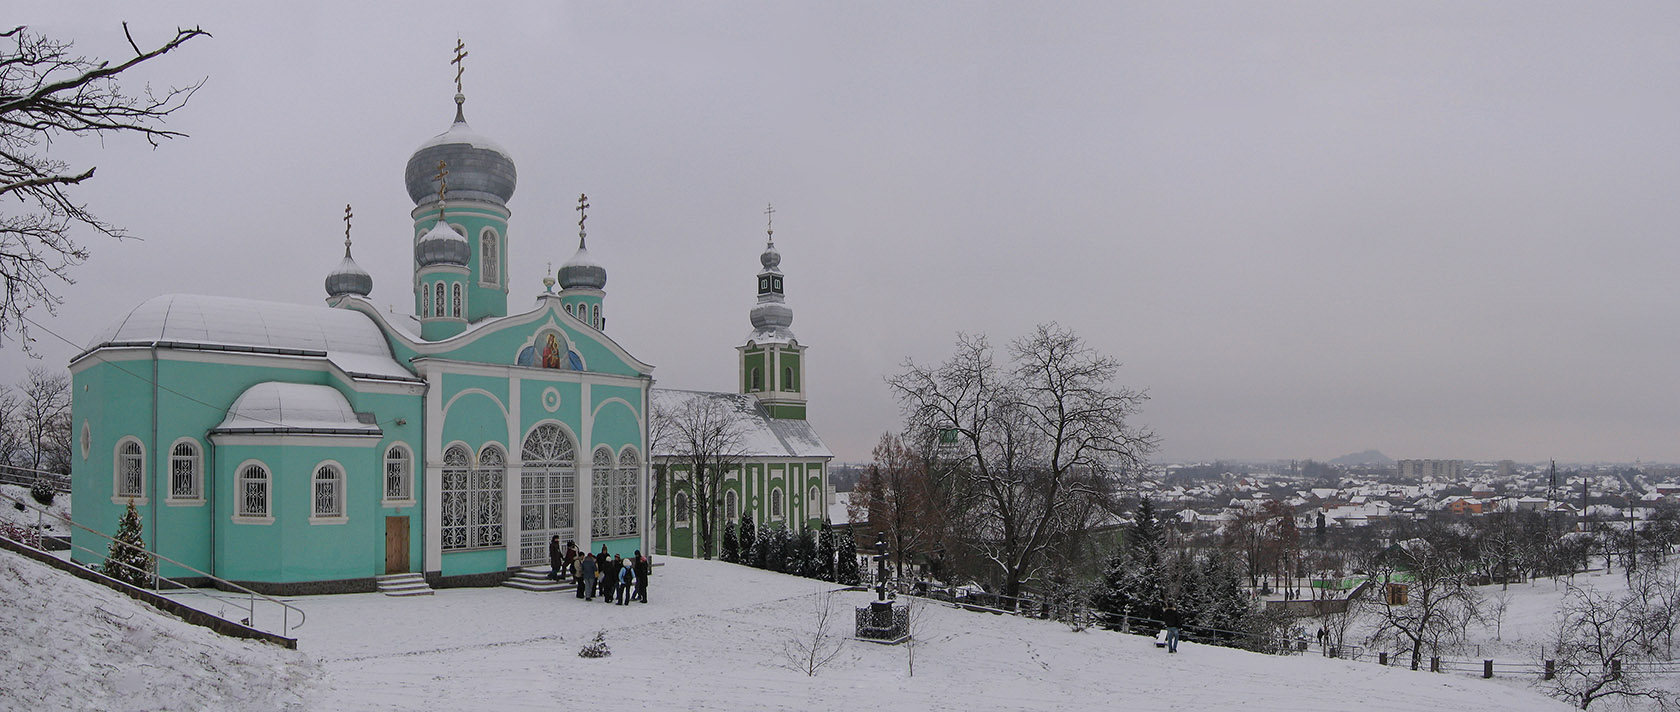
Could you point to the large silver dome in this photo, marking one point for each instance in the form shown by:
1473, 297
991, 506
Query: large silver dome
479, 168
349, 278
442, 245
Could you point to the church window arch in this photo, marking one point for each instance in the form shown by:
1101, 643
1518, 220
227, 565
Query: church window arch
548, 490
487, 499
457, 496
776, 503
253, 494
455, 299
129, 478
601, 493
626, 497
595, 315
327, 494
679, 508
571, 309
425, 301
813, 504
437, 304
399, 474
757, 379
787, 380
731, 506
186, 471
489, 258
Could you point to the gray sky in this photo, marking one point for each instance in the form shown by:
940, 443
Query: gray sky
1436, 229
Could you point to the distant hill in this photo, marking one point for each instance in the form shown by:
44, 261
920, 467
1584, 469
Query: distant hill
1369, 457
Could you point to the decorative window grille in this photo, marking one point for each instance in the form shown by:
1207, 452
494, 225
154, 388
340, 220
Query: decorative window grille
131, 469
329, 493
601, 494
595, 316
625, 494
455, 299
488, 499
776, 503
184, 472
488, 264
457, 476
547, 491
438, 303
680, 508
399, 474
425, 301
731, 506
253, 491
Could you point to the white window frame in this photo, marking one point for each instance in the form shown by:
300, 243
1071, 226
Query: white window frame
489, 258
119, 459
731, 507
778, 505
328, 473
241, 482
627, 493
194, 461
404, 459
483, 523
601, 469
679, 509
457, 300
437, 306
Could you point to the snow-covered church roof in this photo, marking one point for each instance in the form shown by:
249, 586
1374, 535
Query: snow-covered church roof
346, 337
276, 407
761, 435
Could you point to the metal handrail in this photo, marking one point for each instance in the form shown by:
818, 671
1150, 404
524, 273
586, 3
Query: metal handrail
286, 609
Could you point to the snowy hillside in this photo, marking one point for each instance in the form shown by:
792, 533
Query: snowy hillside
68, 644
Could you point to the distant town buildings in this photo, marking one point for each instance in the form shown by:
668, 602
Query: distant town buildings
1419, 469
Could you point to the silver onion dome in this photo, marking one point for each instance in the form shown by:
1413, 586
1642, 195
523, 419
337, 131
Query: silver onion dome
442, 245
582, 271
771, 259
479, 168
349, 278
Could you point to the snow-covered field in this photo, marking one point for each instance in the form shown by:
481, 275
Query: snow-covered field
27, 517
710, 640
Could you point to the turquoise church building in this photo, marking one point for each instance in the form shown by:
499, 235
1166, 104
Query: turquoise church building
306, 449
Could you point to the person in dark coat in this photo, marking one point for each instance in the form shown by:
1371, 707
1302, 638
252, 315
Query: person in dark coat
586, 578
1171, 619
644, 567
556, 558
570, 560
609, 575
626, 579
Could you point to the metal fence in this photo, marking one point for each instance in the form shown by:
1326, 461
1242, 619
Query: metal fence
26, 477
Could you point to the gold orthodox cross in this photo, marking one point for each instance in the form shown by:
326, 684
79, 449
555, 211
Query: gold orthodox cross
583, 204
460, 54
443, 185
347, 216
769, 219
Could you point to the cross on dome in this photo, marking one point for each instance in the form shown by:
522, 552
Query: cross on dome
460, 54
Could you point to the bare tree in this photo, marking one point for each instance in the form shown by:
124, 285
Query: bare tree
47, 92
11, 428
704, 436
1600, 641
45, 415
896, 496
1034, 441
809, 649
1425, 599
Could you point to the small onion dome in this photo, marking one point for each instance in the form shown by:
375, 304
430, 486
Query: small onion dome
349, 278
442, 246
582, 271
479, 168
771, 259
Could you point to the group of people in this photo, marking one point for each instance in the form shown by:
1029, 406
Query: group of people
615, 578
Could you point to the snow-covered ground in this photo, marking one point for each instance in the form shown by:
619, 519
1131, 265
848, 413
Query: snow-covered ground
28, 517
710, 640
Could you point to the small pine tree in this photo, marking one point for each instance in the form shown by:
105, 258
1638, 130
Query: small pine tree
761, 549
825, 554
846, 552
746, 542
776, 545
596, 648
731, 552
128, 561
805, 555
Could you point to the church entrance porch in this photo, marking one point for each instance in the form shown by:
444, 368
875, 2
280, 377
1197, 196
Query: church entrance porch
547, 492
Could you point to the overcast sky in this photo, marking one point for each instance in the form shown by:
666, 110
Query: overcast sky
1435, 229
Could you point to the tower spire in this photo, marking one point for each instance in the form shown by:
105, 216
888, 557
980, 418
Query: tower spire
770, 222
583, 205
347, 216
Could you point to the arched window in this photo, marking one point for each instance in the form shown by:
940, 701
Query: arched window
547, 491
595, 316
601, 492
776, 503
570, 309
184, 472
787, 380
757, 379
487, 501
455, 299
731, 507
814, 504
437, 303
328, 502
252, 492
457, 497
679, 507
399, 475
425, 299
489, 264
625, 493
130, 473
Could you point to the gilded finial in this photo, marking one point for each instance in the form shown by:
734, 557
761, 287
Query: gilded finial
770, 220
347, 216
583, 205
442, 179
548, 278
460, 54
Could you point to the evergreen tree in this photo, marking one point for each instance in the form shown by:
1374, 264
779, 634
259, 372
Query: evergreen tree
825, 554
778, 548
731, 552
128, 561
1132, 584
845, 551
746, 543
761, 549
805, 555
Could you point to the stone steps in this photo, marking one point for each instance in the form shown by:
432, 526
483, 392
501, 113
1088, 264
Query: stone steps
535, 578
411, 584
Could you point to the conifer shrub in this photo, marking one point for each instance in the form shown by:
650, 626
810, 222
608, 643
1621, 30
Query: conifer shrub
128, 561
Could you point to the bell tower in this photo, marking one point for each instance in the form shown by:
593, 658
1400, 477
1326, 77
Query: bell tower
772, 361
